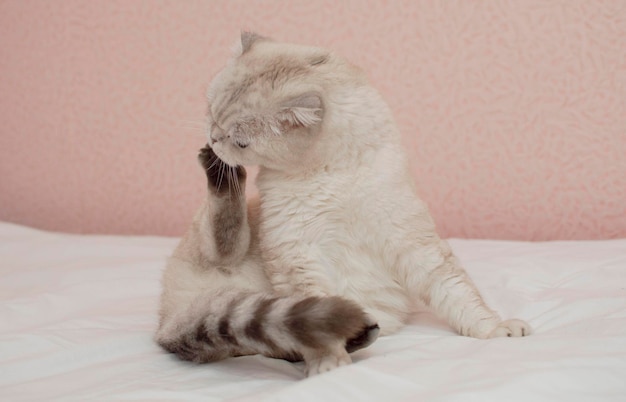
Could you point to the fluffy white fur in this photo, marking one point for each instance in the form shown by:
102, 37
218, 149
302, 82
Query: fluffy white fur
338, 216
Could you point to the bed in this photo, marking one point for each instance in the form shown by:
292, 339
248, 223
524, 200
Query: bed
77, 314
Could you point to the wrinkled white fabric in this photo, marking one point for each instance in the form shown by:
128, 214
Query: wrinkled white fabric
77, 315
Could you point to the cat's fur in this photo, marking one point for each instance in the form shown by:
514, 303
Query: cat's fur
339, 215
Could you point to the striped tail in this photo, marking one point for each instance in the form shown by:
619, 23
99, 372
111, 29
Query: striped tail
320, 330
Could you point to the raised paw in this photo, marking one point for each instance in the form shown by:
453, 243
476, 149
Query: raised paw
326, 362
221, 177
511, 328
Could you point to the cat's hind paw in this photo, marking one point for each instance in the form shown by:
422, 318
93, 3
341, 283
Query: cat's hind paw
327, 362
511, 328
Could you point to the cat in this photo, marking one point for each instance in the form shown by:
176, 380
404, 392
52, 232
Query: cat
338, 216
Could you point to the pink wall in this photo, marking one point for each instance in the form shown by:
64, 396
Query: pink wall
514, 111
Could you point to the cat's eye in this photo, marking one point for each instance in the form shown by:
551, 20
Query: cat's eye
241, 144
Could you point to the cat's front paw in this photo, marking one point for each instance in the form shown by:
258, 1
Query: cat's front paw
511, 328
221, 177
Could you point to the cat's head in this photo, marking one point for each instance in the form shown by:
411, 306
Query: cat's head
268, 106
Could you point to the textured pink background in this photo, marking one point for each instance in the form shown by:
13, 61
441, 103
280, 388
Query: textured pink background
514, 111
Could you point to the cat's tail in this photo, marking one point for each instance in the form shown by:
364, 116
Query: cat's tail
320, 330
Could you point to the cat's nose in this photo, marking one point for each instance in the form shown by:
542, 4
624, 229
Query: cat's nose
216, 134
217, 138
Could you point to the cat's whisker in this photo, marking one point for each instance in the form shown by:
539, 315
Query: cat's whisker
232, 180
239, 192
194, 127
236, 181
202, 123
229, 178
213, 164
197, 127
194, 124
224, 176
220, 173
228, 181
197, 134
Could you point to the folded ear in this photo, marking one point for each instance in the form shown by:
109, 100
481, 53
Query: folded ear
248, 39
303, 110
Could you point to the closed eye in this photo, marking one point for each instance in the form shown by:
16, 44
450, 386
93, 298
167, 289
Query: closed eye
241, 144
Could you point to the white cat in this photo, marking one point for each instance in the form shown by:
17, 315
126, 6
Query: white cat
339, 214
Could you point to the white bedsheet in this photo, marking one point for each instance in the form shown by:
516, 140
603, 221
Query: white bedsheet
77, 315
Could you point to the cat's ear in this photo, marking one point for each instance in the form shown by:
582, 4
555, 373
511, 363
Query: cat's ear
303, 110
319, 59
248, 39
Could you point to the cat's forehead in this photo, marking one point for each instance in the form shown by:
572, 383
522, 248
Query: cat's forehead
235, 90
248, 71
251, 81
